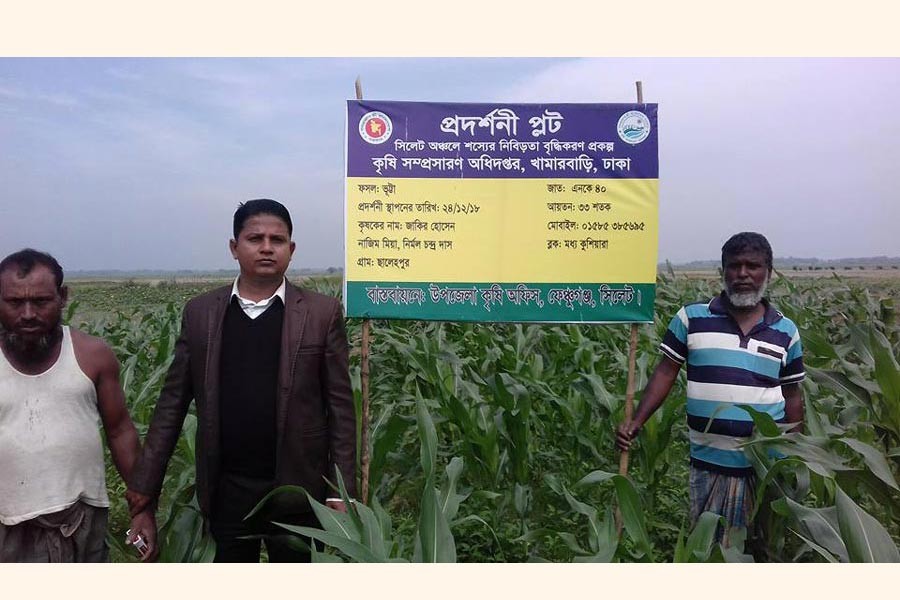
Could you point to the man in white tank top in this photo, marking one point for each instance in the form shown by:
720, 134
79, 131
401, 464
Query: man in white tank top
57, 385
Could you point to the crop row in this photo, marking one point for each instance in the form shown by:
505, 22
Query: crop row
496, 442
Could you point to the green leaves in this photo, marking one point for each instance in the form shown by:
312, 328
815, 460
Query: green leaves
600, 535
427, 437
874, 460
865, 538
817, 525
434, 541
844, 531
842, 383
365, 534
480, 431
387, 432
632, 514
887, 373
602, 539
182, 539
701, 541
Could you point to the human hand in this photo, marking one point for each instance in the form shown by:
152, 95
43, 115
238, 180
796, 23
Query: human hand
138, 502
625, 435
337, 505
144, 523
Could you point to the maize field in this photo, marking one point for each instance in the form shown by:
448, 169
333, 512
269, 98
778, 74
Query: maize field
495, 443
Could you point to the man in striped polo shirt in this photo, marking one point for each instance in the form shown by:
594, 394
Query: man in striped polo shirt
740, 351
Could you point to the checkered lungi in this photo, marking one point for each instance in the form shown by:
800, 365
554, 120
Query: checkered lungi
726, 495
75, 534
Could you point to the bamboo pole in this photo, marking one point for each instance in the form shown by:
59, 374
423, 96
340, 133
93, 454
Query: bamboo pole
629, 386
629, 393
364, 384
364, 441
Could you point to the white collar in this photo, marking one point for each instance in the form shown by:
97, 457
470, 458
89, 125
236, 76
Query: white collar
262, 303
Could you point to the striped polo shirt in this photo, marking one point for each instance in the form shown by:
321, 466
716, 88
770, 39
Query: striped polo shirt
725, 369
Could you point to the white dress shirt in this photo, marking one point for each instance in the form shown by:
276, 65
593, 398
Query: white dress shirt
254, 309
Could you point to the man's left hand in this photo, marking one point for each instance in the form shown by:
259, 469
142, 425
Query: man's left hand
144, 523
337, 505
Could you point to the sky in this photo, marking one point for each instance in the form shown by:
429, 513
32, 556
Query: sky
140, 163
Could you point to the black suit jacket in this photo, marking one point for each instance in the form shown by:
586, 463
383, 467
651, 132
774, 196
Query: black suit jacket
316, 421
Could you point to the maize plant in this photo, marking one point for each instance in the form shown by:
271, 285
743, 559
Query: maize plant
495, 442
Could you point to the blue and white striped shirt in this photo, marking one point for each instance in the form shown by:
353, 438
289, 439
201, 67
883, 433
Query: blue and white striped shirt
726, 368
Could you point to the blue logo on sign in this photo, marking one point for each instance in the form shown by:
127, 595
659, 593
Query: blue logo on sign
633, 127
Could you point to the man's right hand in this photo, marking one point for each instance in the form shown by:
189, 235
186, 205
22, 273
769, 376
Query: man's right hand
144, 523
625, 435
658, 388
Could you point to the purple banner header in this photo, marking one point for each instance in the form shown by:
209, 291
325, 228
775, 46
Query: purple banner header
535, 141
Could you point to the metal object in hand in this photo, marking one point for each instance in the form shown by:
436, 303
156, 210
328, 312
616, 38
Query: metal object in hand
138, 542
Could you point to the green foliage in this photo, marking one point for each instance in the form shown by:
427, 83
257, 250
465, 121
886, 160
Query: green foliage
530, 412
364, 534
700, 542
143, 339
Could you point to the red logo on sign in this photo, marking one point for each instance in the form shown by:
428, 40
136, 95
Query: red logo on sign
375, 127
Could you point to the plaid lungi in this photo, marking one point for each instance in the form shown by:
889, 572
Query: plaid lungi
75, 534
726, 495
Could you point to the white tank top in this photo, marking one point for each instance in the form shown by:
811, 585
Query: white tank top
51, 454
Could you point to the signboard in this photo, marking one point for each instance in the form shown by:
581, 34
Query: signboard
501, 212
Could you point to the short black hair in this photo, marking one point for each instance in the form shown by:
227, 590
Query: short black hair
747, 241
25, 260
260, 206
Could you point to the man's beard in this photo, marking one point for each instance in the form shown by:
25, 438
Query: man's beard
31, 348
747, 299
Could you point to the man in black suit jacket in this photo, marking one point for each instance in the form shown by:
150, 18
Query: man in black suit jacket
267, 365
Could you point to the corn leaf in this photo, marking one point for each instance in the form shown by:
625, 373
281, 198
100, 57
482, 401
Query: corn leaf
352, 548
840, 382
633, 514
887, 372
427, 437
700, 542
594, 477
818, 524
866, 539
449, 499
819, 549
434, 542
874, 460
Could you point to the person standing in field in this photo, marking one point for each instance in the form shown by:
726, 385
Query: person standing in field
57, 385
267, 365
740, 351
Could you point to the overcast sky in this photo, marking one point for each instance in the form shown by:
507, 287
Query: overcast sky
140, 163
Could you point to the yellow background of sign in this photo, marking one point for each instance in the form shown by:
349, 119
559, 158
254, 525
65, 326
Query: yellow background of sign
506, 241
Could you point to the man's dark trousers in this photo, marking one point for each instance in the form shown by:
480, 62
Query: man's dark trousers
237, 496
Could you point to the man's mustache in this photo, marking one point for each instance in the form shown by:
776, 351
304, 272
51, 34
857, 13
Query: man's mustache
34, 323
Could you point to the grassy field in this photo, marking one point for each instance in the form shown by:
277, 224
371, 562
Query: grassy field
495, 442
